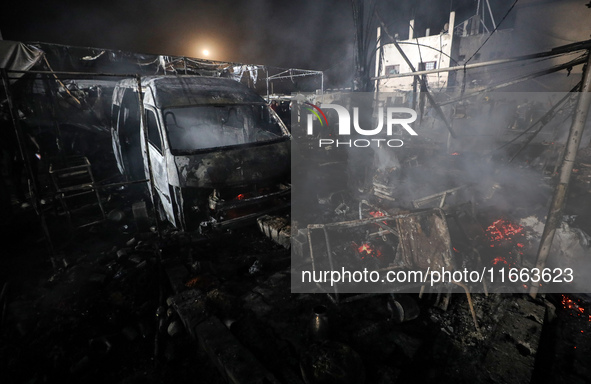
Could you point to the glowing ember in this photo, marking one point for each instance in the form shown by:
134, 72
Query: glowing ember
240, 196
499, 260
455, 154
377, 214
574, 306
507, 239
367, 250
503, 230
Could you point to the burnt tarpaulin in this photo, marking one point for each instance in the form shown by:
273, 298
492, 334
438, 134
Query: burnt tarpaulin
103, 60
238, 72
17, 56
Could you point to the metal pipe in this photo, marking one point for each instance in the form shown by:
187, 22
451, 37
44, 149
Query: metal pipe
570, 154
52, 93
267, 80
491, 15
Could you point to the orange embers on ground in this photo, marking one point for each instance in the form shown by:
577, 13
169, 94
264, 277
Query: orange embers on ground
507, 239
367, 250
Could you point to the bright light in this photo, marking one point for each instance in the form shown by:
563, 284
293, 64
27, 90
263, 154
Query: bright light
206, 52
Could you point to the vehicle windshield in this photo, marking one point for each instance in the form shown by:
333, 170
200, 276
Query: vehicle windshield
200, 127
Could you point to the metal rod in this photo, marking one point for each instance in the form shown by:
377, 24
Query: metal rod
275, 77
416, 203
389, 229
365, 202
357, 223
50, 91
570, 154
491, 15
103, 186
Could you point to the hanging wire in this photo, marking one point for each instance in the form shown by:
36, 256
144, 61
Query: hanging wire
493, 31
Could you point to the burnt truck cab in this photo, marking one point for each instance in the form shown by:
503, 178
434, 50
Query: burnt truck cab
219, 156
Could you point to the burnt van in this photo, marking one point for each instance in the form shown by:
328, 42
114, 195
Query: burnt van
219, 156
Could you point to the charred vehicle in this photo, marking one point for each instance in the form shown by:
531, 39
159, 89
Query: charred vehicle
219, 156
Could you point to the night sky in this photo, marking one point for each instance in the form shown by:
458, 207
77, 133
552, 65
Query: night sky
312, 34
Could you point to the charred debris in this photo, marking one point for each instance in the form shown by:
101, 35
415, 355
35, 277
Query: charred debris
103, 280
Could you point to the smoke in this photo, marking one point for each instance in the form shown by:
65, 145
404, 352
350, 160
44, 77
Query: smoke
501, 164
480, 158
385, 158
304, 34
